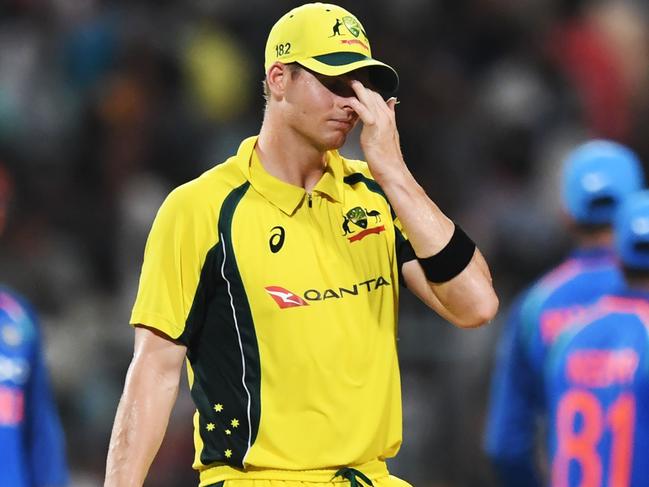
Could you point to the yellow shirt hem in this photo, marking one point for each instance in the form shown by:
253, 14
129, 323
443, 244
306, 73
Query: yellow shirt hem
374, 469
156, 321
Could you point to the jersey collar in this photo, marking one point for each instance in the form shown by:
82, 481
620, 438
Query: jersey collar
285, 196
331, 181
593, 253
632, 292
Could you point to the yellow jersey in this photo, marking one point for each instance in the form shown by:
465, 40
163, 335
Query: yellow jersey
287, 303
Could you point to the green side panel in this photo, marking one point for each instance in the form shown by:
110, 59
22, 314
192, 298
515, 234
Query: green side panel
223, 351
404, 250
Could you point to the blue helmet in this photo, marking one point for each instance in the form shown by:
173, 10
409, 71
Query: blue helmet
597, 176
632, 231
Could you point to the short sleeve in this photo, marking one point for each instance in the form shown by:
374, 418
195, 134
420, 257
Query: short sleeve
404, 251
178, 243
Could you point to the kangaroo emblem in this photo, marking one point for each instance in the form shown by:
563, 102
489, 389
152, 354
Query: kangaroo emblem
336, 28
346, 226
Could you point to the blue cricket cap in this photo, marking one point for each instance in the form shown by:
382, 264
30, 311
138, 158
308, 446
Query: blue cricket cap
596, 177
632, 231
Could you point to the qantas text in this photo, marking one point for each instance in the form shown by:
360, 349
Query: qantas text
340, 292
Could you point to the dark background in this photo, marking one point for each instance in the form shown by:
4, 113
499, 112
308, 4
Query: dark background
105, 106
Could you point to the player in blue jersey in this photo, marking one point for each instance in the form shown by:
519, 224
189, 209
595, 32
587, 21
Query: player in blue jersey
31, 439
597, 375
596, 177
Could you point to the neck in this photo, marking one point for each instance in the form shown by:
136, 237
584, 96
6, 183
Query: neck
602, 238
637, 283
288, 155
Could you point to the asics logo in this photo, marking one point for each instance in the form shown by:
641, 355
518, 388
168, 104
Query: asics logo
276, 240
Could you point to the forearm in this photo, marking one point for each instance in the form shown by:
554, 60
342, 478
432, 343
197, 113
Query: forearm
428, 229
140, 424
467, 299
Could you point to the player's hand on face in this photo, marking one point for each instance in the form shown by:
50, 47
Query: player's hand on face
379, 136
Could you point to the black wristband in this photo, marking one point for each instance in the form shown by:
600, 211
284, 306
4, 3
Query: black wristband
451, 260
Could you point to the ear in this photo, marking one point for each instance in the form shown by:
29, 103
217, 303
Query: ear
277, 78
566, 219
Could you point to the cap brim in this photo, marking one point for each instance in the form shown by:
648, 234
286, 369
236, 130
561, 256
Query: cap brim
383, 77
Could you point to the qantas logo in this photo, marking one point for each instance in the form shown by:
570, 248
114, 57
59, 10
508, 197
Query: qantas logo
287, 299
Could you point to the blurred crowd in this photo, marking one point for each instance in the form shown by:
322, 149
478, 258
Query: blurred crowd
107, 105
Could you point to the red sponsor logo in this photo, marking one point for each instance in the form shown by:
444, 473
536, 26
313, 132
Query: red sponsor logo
365, 233
285, 298
355, 41
556, 321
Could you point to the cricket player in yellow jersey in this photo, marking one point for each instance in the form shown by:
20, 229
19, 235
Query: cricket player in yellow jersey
276, 276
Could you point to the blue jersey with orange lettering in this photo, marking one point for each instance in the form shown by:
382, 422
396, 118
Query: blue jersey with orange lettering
518, 398
31, 439
597, 384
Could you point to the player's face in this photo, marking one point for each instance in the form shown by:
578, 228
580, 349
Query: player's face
318, 106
